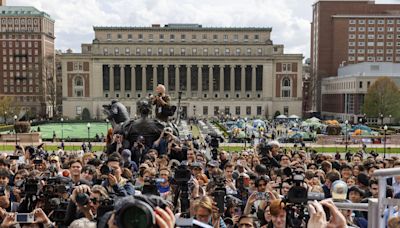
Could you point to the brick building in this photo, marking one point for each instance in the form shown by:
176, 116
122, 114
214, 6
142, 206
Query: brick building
27, 54
347, 32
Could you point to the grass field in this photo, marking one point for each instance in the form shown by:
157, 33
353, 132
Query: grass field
52, 148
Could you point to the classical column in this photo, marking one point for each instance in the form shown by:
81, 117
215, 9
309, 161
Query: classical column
112, 94
210, 80
177, 84
253, 78
122, 80
188, 81
166, 77
233, 80
199, 80
133, 80
154, 77
243, 81
221, 80
144, 88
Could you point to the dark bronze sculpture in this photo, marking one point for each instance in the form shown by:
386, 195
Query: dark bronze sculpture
147, 127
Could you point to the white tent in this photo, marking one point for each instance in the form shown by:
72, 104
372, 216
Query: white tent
294, 117
281, 117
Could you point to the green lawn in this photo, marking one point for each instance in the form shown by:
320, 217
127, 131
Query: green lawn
325, 149
52, 148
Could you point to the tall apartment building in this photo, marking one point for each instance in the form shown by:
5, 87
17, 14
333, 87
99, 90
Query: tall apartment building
236, 71
347, 32
27, 54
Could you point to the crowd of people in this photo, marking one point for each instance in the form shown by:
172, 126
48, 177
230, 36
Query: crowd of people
181, 182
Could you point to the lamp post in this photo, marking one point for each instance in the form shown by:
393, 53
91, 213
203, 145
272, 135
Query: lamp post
88, 131
5, 117
245, 132
194, 110
178, 114
107, 121
62, 129
381, 119
346, 122
15, 128
384, 143
390, 119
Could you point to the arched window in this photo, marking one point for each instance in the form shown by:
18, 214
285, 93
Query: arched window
78, 86
285, 87
78, 81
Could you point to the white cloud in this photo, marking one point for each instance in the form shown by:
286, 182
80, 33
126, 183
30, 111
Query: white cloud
289, 19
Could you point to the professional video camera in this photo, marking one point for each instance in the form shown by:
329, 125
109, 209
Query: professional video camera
150, 186
219, 192
142, 207
297, 198
182, 177
213, 141
28, 187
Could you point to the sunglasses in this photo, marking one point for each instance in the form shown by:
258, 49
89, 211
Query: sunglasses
94, 200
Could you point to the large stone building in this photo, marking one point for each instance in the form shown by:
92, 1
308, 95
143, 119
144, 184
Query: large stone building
236, 71
343, 95
27, 53
348, 32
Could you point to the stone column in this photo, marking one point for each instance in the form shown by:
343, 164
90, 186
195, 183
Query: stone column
122, 81
199, 80
243, 81
112, 92
232, 81
166, 77
133, 80
188, 81
253, 79
210, 80
177, 84
221, 80
144, 89
154, 77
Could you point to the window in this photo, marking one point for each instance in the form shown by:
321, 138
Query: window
194, 51
246, 38
160, 51
286, 67
205, 51
225, 38
361, 29
286, 88
172, 37
352, 51
361, 22
259, 51
235, 37
78, 86
381, 22
352, 29
129, 37
360, 51
109, 36
140, 37
119, 36
137, 51
286, 110
116, 51
78, 110
216, 51
371, 44
204, 37
149, 51
215, 37
171, 51
352, 22
259, 110
380, 29
360, 85
352, 36
390, 29
127, 51
151, 37
248, 52
194, 37
371, 36
361, 36
237, 51
227, 51
237, 110
371, 22
183, 51
248, 110
161, 37
183, 37
205, 110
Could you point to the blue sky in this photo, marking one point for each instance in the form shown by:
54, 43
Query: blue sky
289, 19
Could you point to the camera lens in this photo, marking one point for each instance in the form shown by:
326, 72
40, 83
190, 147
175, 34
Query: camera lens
105, 170
143, 218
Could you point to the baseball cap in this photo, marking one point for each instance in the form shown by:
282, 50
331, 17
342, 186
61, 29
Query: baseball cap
213, 163
54, 158
196, 165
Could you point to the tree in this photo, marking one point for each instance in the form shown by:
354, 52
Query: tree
8, 108
277, 113
383, 97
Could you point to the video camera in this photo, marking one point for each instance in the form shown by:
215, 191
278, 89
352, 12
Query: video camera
298, 197
219, 192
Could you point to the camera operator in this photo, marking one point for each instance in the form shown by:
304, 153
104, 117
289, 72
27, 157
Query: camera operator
55, 165
206, 211
164, 188
162, 143
84, 202
115, 183
128, 163
259, 198
118, 143
139, 149
161, 101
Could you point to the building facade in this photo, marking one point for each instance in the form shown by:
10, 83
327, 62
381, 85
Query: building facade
343, 95
347, 32
230, 71
27, 53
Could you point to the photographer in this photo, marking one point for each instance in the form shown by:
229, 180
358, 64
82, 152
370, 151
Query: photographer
41, 220
162, 144
162, 103
84, 202
139, 149
115, 183
259, 198
206, 212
